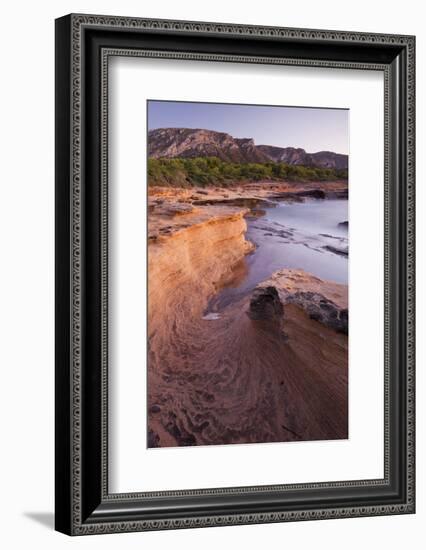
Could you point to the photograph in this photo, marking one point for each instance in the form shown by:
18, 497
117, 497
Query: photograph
248, 253
234, 304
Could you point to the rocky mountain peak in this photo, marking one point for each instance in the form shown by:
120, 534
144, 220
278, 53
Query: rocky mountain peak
200, 142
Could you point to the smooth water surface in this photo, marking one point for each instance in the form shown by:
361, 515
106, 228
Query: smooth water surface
293, 235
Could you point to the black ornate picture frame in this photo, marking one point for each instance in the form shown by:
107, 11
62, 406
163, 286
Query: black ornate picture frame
84, 43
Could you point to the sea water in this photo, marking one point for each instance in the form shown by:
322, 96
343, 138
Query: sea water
309, 235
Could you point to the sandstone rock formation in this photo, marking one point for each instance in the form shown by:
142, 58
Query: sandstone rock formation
323, 301
279, 374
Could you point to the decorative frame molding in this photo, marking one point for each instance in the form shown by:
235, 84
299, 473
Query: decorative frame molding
83, 504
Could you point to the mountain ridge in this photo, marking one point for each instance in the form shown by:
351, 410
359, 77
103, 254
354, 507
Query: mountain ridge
200, 142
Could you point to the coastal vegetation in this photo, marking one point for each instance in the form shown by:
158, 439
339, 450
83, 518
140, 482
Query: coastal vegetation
206, 171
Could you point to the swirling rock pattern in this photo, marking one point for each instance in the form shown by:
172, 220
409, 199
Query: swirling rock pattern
229, 378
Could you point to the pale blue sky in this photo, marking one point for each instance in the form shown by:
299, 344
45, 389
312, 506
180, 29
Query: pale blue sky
313, 129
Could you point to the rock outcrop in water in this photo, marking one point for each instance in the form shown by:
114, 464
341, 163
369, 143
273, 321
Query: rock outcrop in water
340, 251
323, 301
191, 143
321, 309
265, 304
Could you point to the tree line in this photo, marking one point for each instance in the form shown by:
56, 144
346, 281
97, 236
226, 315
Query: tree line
206, 171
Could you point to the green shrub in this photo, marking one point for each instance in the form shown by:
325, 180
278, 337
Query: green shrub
205, 171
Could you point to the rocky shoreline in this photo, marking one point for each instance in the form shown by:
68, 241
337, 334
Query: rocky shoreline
273, 366
323, 301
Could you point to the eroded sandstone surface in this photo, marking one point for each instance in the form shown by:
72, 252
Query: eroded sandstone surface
275, 371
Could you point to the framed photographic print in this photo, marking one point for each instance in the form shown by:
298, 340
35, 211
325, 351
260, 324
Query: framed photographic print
234, 274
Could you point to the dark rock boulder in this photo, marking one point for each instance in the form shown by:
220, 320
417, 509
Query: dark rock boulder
344, 251
321, 309
268, 302
299, 196
265, 305
313, 193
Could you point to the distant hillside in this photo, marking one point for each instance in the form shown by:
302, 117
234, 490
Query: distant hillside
193, 143
299, 157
